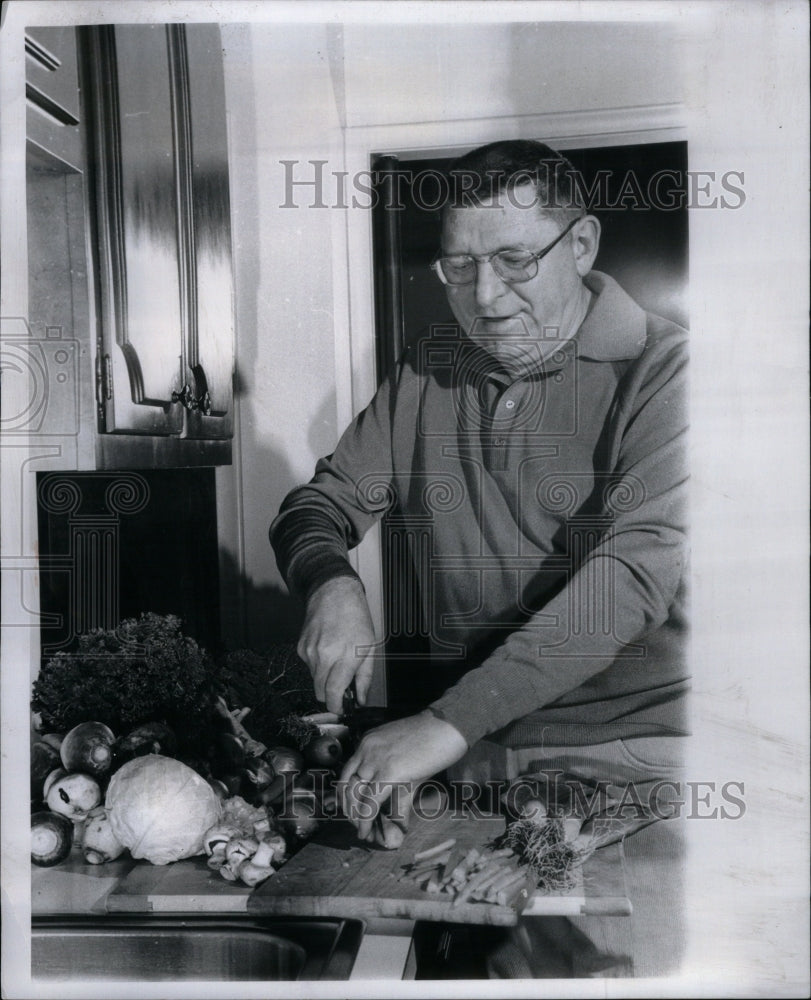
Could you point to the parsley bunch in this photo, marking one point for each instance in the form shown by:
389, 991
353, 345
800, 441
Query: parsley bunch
143, 671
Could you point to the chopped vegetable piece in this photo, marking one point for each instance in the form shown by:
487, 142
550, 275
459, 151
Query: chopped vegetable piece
431, 852
461, 870
415, 874
507, 891
502, 852
500, 886
321, 718
477, 880
519, 895
481, 890
454, 858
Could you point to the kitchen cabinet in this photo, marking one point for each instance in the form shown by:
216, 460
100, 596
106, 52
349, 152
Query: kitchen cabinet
129, 247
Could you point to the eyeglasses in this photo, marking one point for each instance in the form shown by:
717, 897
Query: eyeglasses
510, 265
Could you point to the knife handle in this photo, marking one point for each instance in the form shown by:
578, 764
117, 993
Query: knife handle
350, 701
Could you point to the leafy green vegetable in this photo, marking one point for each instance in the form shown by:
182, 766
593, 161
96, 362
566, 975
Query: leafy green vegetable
145, 670
274, 685
298, 731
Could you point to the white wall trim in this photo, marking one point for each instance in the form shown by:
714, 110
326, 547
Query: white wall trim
562, 128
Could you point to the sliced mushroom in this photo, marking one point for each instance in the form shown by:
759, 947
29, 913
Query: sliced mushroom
99, 842
263, 855
217, 858
278, 845
220, 833
252, 874
239, 848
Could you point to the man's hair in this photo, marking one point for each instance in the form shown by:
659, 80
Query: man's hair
494, 171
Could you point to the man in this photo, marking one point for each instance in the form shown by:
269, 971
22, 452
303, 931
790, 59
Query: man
552, 423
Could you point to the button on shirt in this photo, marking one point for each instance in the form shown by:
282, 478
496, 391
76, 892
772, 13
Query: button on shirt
546, 520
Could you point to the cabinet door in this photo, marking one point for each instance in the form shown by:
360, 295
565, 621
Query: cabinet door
159, 163
210, 328
132, 139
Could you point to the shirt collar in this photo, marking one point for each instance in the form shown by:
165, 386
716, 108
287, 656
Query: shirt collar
615, 327
614, 330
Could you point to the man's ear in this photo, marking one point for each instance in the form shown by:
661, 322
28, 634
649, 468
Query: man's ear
585, 243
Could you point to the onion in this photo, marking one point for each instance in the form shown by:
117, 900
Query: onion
299, 817
284, 760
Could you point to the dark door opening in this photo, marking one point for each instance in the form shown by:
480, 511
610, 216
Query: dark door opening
115, 545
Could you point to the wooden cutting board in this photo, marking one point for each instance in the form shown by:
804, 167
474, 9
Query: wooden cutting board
335, 875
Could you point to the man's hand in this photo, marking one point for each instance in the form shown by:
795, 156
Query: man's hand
337, 623
396, 757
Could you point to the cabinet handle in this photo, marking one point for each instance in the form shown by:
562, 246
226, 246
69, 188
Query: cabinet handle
185, 397
190, 402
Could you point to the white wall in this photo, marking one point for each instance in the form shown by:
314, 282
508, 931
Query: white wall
281, 107
307, 92
430, 72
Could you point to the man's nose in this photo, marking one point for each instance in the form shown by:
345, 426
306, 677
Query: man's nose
488, 285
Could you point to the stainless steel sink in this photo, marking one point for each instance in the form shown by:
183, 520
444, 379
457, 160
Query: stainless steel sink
231, 949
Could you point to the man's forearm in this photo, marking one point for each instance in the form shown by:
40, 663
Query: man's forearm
539, 663
309, 544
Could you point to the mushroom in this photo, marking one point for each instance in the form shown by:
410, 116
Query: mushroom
264, 854
239, 848
51, 838
278, 846
73, 795
252, 874
100, 843
55, 775
220, 833
261, 828
88, 748
217, 858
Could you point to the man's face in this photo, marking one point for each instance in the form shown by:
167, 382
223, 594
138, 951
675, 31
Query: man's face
514, 321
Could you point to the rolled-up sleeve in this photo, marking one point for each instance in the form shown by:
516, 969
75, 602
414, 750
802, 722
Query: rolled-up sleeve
320, 522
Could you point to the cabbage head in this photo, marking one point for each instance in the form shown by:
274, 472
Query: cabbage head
160, 808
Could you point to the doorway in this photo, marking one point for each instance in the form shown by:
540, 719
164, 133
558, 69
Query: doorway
639, 194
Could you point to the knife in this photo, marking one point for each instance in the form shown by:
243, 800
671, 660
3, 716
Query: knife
360, 718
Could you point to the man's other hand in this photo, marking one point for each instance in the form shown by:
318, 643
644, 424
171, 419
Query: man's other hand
337, 625
395, 758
